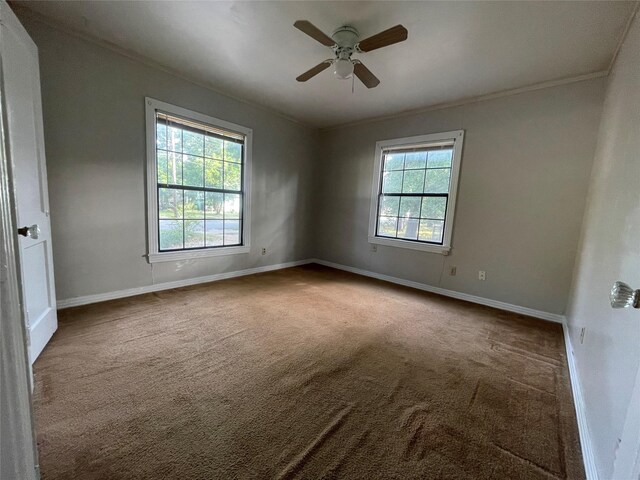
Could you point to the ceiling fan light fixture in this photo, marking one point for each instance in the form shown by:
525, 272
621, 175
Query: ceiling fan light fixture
344, 42
343, 69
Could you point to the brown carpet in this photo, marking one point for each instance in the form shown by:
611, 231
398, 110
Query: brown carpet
303, 373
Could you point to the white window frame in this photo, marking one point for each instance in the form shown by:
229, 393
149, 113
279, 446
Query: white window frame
153, 253
457, 137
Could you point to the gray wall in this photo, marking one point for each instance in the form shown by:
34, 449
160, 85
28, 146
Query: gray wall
608, 360
525, 170
93, 102
524, 176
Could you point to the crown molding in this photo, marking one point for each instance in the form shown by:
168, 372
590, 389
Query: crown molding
623, 37
475, 99
36, 16
131, 55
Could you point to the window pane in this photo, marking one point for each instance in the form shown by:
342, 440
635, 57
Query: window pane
410, 207
415, 160
393, 161
161, 135
174, 139
193, 171
214, 205
437, 180
162, 166
408, 228
170, 234
433, 207
231, 232
231, 206
389, 206
193, 233
232, 151
170, 203
213, 173
214, 233
413, 181
392, 182
174, 168
193, 143
232, 176
213, 147
387, 226
431, 230
439, 158
193, 204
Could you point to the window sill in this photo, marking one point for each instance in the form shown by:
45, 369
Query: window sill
424, 247
194, 254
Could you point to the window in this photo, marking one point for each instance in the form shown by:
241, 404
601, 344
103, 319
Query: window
414, 191
198, 170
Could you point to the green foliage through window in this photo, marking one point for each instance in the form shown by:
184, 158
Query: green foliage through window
200, 191
414, 193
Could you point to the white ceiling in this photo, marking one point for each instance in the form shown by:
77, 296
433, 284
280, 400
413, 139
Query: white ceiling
455, 50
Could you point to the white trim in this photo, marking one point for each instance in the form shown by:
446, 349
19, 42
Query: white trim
130, 292
153, 254
101, 297
623, 37
588, 458
398, 242
552, 317
213, 252
456, 139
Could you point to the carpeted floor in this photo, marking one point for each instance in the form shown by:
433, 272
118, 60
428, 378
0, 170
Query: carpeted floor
306, 373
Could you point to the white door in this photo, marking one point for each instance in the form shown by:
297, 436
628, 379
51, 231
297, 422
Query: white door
25, 145
627, 462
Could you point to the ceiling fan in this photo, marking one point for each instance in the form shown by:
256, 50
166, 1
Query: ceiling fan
345, 42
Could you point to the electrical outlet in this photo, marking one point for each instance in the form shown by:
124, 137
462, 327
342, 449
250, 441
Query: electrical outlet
264, 251
374, 247
453, 271
582, 330
482, 275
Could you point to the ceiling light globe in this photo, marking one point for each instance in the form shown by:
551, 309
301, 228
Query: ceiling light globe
343, 69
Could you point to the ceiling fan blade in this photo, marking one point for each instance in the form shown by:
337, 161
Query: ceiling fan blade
388, 37
314, 71
314, 32
365, 75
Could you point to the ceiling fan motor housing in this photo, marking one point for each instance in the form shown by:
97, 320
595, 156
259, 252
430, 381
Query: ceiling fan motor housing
346, 39
344, 42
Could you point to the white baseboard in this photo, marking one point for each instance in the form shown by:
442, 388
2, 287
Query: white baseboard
589, 460
101, 297
552, 317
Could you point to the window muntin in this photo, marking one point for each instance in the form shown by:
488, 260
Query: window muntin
413, 195
414, 191
199, 181
198, 184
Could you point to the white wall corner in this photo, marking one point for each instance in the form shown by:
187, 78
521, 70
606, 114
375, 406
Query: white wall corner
591, 472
